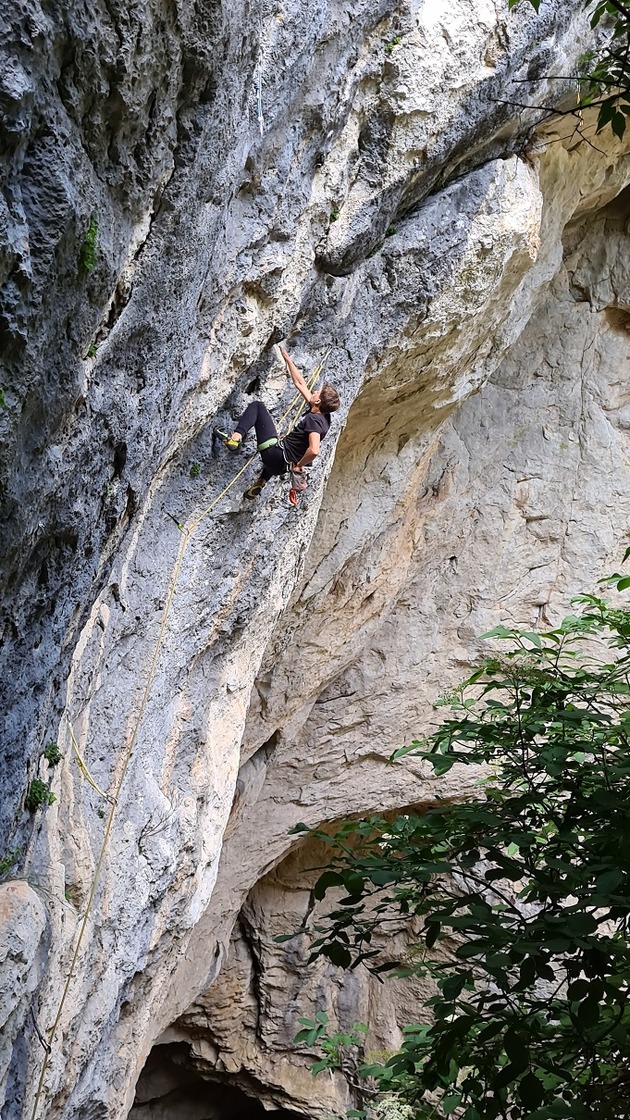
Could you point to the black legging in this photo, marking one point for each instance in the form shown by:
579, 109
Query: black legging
258, 417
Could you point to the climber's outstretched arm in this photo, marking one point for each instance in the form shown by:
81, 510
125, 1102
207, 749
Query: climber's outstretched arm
296, 376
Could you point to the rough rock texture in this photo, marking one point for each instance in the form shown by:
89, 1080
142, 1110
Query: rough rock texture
22, 956
242, 1029
522, 497
354, 175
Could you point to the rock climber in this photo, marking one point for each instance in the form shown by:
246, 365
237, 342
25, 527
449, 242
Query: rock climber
300, 447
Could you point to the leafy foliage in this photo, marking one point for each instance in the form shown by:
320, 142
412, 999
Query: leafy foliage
87, 258
524, 890
333, 1046
52, 754
604, 75
38, 793
8, 861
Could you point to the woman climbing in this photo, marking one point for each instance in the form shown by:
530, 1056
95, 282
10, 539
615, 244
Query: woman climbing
294, 451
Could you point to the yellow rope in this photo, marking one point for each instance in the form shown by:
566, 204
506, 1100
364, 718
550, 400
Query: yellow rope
113, 799
83, 766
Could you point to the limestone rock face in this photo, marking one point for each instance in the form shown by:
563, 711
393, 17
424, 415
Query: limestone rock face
183, 187
241, 1030
521, 495
22, 954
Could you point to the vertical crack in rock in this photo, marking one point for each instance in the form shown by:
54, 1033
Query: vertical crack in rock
251, 940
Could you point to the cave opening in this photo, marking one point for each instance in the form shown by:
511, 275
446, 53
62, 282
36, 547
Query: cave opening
170, 1088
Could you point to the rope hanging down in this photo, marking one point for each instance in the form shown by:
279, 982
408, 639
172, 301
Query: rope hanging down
83, 765
187, 534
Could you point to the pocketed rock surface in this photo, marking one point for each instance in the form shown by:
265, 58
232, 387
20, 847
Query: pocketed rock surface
181, 189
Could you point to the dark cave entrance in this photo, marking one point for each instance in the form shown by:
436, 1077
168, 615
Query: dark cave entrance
169, 1088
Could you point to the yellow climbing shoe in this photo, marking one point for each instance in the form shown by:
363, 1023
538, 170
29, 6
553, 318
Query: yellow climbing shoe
255, 488
226, 439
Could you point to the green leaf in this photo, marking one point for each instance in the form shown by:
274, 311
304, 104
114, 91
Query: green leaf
453, 986
468, 950
317, 1067
380, 877
555, 1111
511, 1072
609, 881
515, 1046
531, 1091
491, 1031
432, 934
606, 113
588, 1012
441, 765
498, 632
450, 1103
325, 881
353, 882
579, 924
338, 954
533, 637
578, 990
618, 125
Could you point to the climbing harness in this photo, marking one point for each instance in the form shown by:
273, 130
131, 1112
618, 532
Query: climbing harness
267, 443
187, 533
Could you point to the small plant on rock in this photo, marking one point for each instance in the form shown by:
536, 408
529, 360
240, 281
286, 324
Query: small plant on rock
195, 470
52, 754
87, 258
39, 793
9, 860
335, 1045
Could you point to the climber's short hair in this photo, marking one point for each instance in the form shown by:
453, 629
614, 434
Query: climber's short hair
329, 398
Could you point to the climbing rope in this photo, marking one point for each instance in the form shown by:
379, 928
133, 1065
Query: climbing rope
83, 765
186, 536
